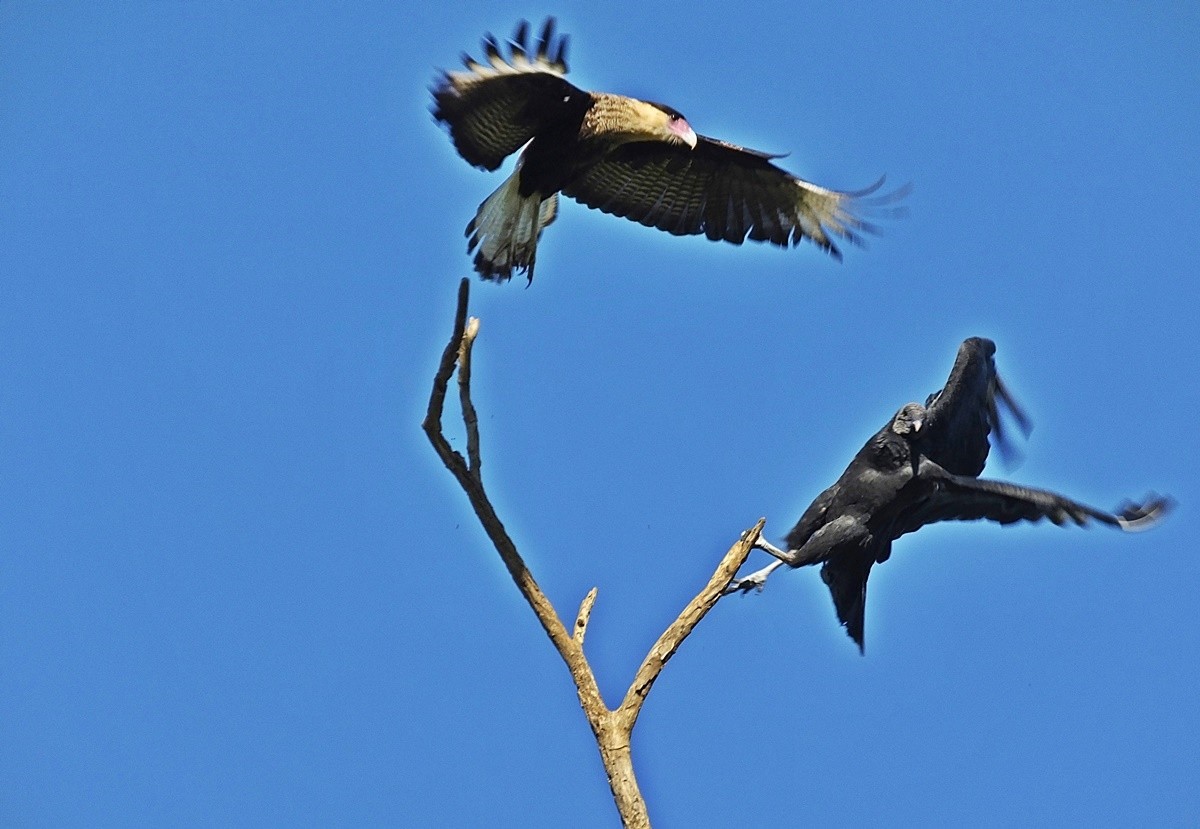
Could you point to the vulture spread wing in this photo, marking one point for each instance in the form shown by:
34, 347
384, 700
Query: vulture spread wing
494, 108
961, 498
960, 417
721, 190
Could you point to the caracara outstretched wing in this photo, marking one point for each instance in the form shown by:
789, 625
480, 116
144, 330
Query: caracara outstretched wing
492, 109
961, 416
719, 189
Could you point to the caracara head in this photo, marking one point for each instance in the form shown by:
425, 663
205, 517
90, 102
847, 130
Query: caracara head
909, 420
619, 119
678, 130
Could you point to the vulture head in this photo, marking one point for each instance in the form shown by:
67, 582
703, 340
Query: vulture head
908, 421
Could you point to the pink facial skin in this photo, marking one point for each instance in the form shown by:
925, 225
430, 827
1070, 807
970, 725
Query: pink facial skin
681, 128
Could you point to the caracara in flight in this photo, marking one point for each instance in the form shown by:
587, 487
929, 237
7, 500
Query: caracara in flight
632, 158
920, 468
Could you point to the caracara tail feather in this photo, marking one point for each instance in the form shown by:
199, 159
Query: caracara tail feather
506, 229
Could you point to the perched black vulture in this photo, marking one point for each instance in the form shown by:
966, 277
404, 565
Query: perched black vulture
632, 158
920, 468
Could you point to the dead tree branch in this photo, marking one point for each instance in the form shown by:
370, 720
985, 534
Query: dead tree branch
612, 727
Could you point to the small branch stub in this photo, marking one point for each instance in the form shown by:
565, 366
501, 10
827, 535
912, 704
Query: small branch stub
584, 616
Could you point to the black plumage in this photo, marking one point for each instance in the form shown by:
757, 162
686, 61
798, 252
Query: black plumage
920, 468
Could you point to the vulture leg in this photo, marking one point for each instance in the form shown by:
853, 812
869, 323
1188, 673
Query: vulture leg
768, 547
835, 538
755, 581
758, 579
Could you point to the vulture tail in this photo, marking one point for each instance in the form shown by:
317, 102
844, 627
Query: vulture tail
506, 229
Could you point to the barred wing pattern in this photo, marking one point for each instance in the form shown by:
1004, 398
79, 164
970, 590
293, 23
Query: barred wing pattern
493, 108
720, 190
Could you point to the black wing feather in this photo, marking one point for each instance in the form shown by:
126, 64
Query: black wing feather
962, 498
718, 189
964, 413
493, 108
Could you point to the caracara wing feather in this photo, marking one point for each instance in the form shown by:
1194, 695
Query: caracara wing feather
493, 108
719, 189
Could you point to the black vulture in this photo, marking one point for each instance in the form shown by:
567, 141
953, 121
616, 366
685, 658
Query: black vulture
920, 468
632, 158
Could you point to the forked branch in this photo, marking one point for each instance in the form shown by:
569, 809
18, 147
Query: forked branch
612, 727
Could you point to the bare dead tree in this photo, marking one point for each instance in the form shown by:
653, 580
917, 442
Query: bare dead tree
612, 727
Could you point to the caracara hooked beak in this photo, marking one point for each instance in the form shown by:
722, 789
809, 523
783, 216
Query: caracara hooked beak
678, 130
681, 130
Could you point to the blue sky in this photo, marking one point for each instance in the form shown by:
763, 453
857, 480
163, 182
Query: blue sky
237, 587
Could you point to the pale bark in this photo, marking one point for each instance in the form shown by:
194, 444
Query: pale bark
611, 727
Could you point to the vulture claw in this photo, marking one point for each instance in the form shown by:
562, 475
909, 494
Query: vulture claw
745, 585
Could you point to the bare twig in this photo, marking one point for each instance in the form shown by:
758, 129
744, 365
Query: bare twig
612, 728
471, 481
437, 401
682, 627
584, 616
470, 418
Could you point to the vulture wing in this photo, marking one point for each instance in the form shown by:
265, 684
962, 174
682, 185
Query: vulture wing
961, 498
492, 109
813, 518
960, 417
719, 189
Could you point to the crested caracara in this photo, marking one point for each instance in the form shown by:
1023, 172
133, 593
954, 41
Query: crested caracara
632, 158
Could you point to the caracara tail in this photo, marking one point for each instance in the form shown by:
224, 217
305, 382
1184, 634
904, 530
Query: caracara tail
505, 231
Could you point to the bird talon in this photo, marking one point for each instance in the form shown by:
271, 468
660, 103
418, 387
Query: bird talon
744, 586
